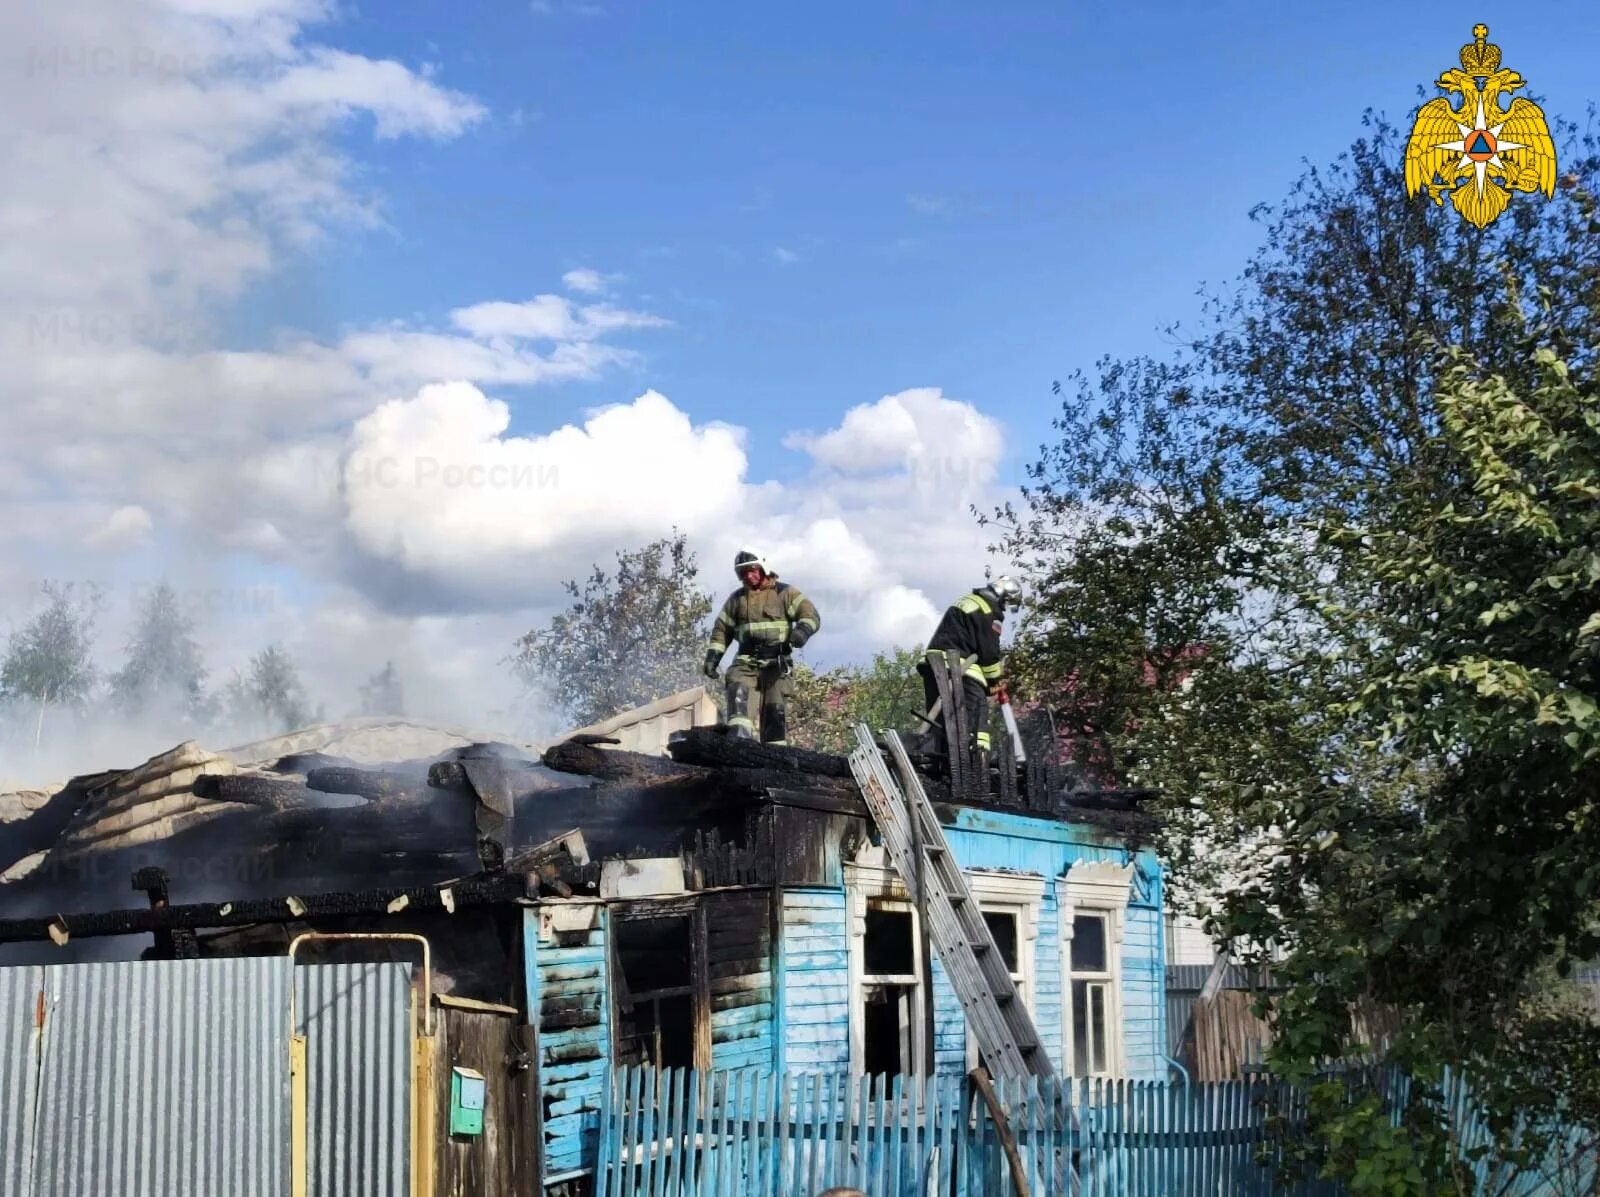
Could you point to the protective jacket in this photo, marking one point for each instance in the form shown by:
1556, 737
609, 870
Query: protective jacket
763, 621
971, 626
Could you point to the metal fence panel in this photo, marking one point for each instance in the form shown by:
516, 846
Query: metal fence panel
357, 1023
165, 1078
19, 1076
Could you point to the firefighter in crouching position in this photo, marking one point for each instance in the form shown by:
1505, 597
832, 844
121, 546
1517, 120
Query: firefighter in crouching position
769, 619
969, 638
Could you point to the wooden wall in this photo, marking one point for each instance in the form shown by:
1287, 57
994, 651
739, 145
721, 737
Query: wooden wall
503, 1160
814, 981
813, 941
567, 984
739, 978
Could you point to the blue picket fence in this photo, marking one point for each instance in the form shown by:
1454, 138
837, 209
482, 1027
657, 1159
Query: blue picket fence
754, 1133
762, 1134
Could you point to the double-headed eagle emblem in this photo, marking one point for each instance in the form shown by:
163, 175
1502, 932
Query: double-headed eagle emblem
1478, 151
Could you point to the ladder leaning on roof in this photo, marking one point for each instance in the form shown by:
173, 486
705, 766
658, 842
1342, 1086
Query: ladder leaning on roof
999, 1021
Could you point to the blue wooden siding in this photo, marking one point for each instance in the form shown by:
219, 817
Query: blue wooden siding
814, 969
1004, 842
567, 989
739, 979
1046, 1007
814, 986
1143, 1003
949, 1026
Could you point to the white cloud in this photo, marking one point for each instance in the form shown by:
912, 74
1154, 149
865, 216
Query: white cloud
786, 257
125, 528
435, 486
585, 280
436, 489
938, 441
548, 318
331, 84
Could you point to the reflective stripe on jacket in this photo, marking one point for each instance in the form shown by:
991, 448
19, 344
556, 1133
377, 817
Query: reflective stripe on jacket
762, 618
971, 626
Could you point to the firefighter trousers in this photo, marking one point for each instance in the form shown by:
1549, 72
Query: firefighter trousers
764, 687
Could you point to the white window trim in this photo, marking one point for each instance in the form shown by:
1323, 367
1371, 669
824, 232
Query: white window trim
1095, 887
865, 879
1022, 895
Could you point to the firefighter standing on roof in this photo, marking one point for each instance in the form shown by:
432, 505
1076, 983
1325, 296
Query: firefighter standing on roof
969, 635
769, 619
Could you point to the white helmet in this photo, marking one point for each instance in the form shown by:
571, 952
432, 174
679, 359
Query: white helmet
1008, 590
745, 558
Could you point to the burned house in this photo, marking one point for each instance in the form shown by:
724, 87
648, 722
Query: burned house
726, 905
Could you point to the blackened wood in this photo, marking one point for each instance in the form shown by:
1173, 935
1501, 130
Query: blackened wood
1006, 765
368, 783
527, 1100
845, 803
700, 980
40, 830
252, 789
717, 748
587, 760
448, 775
482, 891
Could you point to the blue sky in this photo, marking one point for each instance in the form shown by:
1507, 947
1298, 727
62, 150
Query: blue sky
975, 197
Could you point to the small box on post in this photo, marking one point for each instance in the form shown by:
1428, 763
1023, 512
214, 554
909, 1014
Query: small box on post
467, 1091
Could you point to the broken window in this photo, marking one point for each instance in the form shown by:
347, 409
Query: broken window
891, 989
653, 987
1003, 926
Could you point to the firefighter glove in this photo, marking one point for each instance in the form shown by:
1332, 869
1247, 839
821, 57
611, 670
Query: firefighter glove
798, 636
713, 659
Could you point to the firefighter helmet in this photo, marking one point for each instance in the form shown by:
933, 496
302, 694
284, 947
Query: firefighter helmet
745, 559
1007, 590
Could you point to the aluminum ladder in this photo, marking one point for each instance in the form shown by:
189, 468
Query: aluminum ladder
999, 1021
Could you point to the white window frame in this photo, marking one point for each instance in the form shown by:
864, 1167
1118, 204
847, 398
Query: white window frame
1097, 888
1022, 896
871, 880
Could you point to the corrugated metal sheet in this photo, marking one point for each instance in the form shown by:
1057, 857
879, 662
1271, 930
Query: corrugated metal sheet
165, 1078
648, 728
1192, 977
356, 1019
19, 1076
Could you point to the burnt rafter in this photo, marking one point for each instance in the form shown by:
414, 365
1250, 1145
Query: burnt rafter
713, 747
371, 784
482, 890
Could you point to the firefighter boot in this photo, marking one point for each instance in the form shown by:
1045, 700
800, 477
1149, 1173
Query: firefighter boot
774, 722
739, 722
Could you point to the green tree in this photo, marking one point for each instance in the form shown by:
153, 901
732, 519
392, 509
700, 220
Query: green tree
268, 697
49, 661
164, 673
1476, 627
1221, 607
626, 638
826, 706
